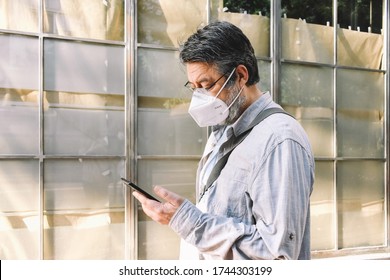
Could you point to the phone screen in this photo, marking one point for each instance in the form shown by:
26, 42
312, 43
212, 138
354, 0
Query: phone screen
138, 189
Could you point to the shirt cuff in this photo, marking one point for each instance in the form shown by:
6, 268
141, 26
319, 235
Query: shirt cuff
184, 220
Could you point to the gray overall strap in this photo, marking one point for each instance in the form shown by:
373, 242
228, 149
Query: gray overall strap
234, 142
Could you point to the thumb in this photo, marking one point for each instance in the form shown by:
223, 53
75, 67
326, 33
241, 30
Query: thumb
171, 197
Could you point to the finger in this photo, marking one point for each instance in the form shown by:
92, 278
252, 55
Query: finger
161, 213
150, 207
141, 198
171, 197
144, 200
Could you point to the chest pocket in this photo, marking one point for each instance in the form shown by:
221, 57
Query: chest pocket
230, 198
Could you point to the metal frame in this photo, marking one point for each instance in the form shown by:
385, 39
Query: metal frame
276, 48
130, 122
386, 50
41, 134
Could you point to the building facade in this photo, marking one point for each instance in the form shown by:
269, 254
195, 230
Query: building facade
93, 90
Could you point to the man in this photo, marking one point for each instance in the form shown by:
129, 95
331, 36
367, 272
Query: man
258, 205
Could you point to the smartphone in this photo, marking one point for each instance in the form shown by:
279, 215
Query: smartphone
138, 189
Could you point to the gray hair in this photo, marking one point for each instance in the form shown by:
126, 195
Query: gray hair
223, 45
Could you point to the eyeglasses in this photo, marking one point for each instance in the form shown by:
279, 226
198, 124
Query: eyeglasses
191, 87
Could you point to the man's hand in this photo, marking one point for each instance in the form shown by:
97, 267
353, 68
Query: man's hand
160, 212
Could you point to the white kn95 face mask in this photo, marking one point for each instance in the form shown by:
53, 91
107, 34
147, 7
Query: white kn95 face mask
208, 110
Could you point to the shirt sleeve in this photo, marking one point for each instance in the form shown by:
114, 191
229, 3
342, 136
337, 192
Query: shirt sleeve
280, 192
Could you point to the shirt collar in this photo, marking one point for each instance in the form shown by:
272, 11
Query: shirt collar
251, 112
246, 118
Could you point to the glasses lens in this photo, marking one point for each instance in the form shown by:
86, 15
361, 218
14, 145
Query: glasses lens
213, 84
189, 86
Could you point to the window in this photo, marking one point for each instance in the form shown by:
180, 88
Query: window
336, 90
62, 144
169, 141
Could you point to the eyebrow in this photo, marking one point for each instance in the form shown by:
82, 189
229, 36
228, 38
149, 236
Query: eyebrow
202, 80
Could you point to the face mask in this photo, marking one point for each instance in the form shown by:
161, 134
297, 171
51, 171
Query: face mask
208, 110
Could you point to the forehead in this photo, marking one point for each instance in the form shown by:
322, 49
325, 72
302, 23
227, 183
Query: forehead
199, 71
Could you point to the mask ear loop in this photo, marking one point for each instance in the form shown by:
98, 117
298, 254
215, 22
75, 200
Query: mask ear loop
224, 84
234, 100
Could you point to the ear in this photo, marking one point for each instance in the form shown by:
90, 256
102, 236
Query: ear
243, 75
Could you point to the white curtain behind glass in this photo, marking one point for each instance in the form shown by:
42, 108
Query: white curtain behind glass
21, 15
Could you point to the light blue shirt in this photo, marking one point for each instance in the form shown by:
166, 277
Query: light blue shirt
259, 207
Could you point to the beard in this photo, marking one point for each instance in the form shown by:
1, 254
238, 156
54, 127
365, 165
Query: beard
237, 107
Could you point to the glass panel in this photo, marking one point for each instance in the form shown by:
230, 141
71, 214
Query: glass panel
306, 41
306, 92
177, 176
19, 62
265, 75
83, 184
84, 124
163, 104
357, 46
80, 67
322, 208
165, 132
167, 22
19, 115
254, 7
19, 206
250, 18
84, 206
19, 122
84, 100
361, 207
359, 49
105, 18
160, 74
307, 34
363, 15
360, 114
312, 11
21, 15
